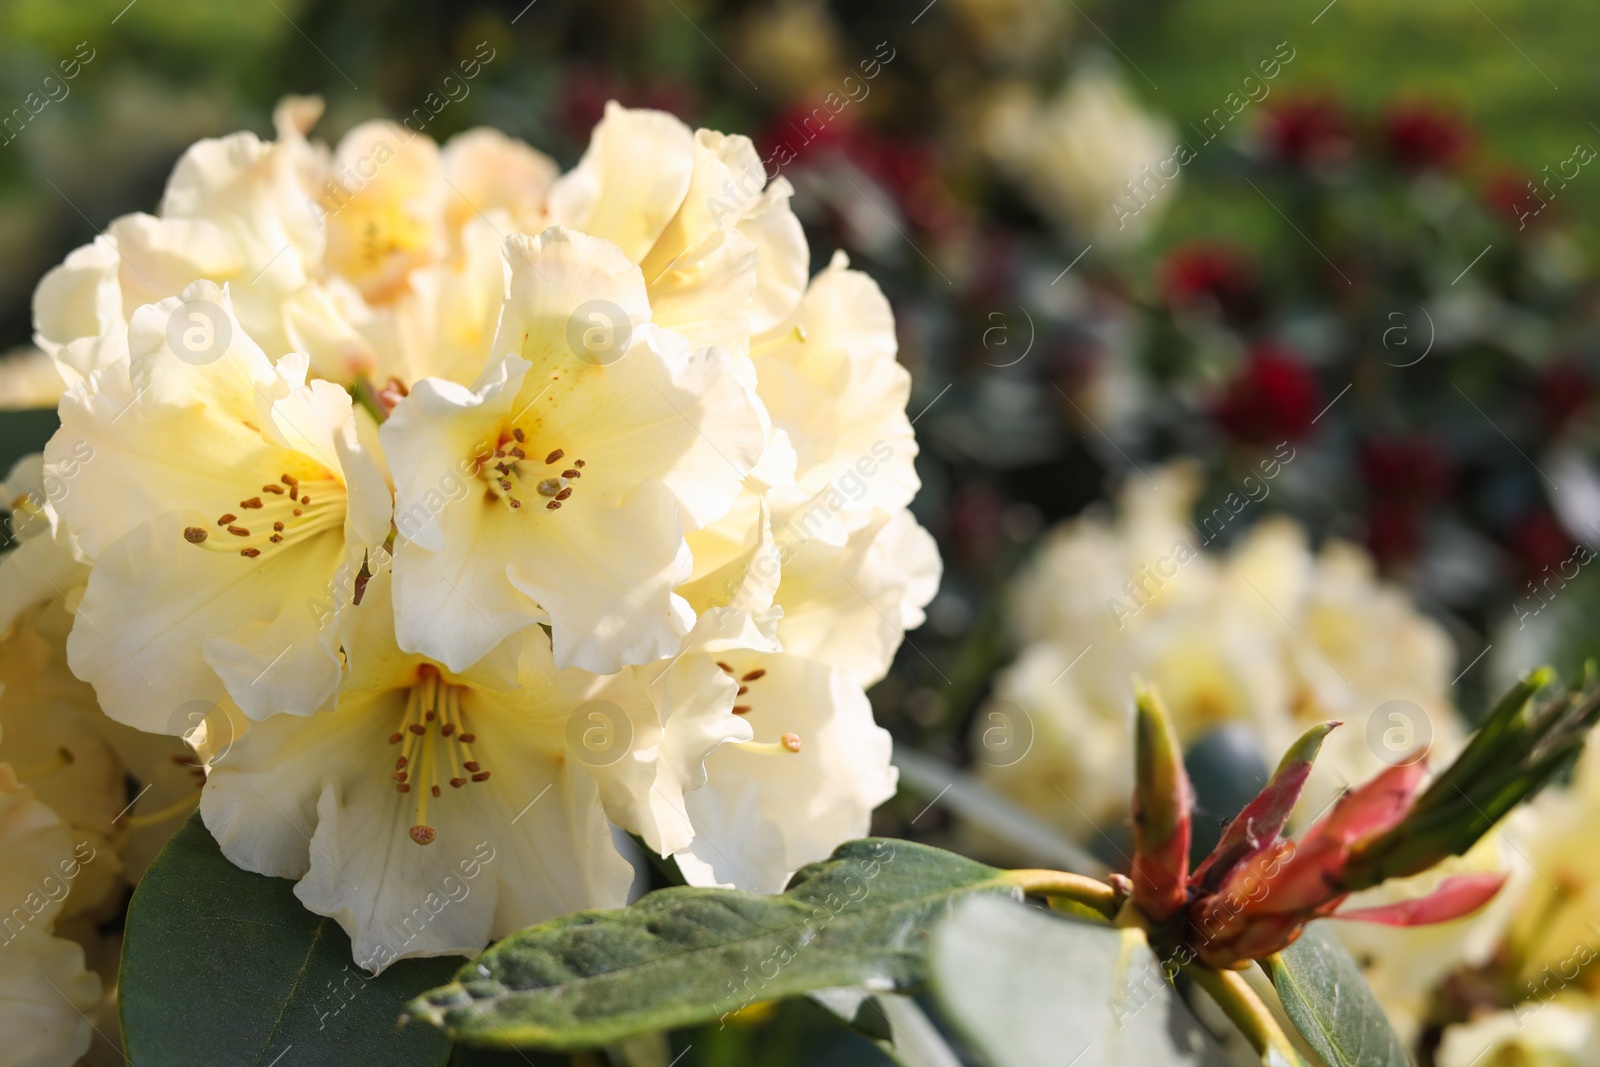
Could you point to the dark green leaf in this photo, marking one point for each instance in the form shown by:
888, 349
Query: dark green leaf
223, 966
1331, 1004
682, 956
1027, 988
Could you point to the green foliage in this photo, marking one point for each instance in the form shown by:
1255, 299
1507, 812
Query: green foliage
1323, 992
683, 956
223, 966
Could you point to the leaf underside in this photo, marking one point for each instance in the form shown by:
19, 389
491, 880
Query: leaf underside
1027, 988
684, 956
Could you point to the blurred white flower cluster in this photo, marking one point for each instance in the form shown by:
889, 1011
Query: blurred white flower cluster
1091, 157
1268, 636
460, 510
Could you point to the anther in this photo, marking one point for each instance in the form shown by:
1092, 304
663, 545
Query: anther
467, 739
725, 667
396, 738
554, 505
577, 463
518, 453
571, 473
272, 489
435, 790
194, 534
743, 689
423, 835
471, 765
741, 709
552, 457
253, 502
278, 526
481, 776
275, 538
418, 729
447, 729
229, 517
249, 553
505, 484
239, 531
457, 783
518, 435
751, 676
399, 764
563, 494
403, 787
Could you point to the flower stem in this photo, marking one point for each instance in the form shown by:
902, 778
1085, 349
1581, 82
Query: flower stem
1075, 887
1246, 1010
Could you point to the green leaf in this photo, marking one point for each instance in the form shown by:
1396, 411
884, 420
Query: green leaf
682, 956
1026, 988
1331, 1004
223, 966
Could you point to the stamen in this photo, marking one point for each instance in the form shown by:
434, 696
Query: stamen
554, 505
552, 457
571, 473
518, 435
741, 709
229, 517
759, 672
239, 531
253, 502
577, 463
249, 553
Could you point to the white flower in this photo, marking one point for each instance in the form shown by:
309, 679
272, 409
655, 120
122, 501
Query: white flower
818, 764
582, 469
1268, 636
422, 785
29, 379
1558, 1034
40, 1026
828, 376
1080, 156
44, 562
227, 510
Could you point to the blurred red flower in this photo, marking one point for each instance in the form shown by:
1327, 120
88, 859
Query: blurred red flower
1274, 399
1311, 132
1419, 136
1204, 273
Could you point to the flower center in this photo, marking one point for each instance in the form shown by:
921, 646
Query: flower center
789, 742
283, 513
516, 478
433, 730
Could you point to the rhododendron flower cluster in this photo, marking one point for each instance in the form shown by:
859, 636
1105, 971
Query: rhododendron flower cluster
484, 510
